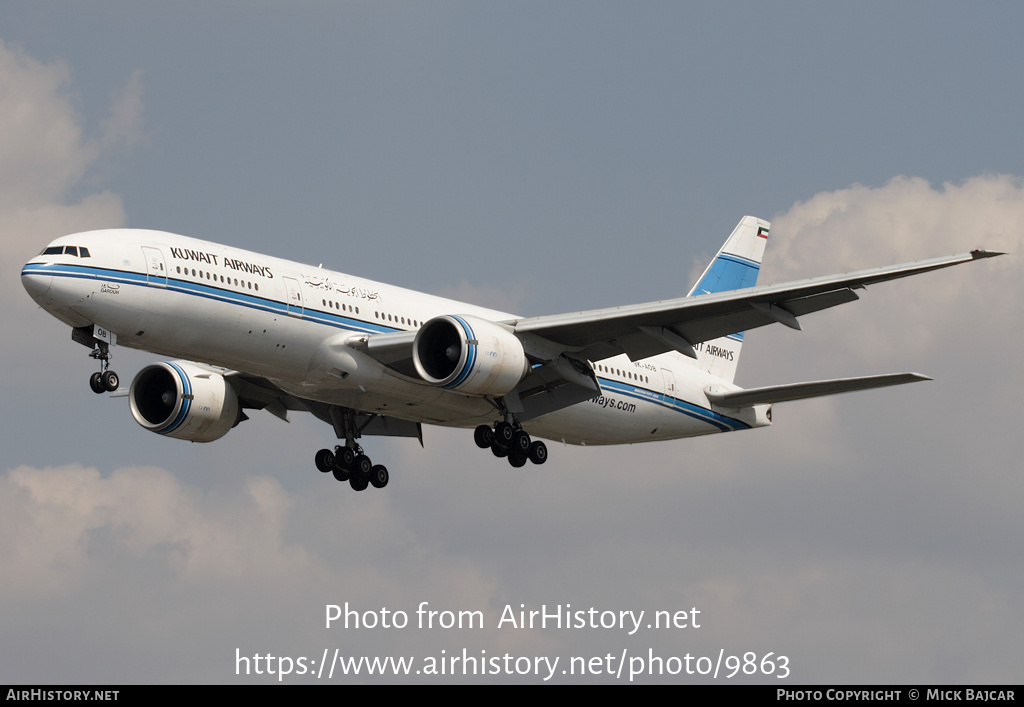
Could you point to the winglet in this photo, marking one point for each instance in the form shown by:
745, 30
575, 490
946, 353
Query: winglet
982, 253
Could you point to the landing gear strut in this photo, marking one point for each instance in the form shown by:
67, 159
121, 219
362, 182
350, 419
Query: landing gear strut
509, 439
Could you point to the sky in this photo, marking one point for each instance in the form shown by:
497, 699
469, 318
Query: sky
538, 158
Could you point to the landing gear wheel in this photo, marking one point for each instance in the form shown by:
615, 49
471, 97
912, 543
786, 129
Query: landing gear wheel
483, 436
96, 383
357, 482
504, 433
379, 476
497, 450
521, 442
362, 466
109, 380
538, 453
340, 474
516, 460
325, 460
345, 457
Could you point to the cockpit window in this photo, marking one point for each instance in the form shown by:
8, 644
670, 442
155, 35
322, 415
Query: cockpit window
74, 250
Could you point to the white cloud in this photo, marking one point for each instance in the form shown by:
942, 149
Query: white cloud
60, 522
44, 155
42, 149
906, 219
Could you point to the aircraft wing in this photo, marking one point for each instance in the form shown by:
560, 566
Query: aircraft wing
644, 330
560, 345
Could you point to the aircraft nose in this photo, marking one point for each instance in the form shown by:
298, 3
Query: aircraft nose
35, 282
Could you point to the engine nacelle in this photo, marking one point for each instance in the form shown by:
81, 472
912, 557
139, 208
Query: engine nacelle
181, 400
468, 354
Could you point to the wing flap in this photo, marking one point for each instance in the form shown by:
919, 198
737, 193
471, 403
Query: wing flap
552, 386
813, 389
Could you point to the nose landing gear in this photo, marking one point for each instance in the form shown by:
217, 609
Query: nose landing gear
104, 380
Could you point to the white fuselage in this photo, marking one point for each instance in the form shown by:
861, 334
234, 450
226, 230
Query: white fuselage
289, 323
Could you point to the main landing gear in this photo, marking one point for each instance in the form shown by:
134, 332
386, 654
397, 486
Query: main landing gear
347, 462
510, 440
351, 465
104, 380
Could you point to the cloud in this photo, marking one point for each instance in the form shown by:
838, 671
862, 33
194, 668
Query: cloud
60, 523
45, 156
907, 219
904, 220
42, 150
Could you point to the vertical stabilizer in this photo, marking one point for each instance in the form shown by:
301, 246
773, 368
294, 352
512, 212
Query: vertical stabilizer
735, 267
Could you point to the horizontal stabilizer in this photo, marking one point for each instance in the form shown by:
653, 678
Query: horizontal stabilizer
814, 389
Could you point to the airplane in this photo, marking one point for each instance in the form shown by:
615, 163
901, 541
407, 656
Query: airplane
249, 331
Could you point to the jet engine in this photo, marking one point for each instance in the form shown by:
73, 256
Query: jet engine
468, 354
184, 401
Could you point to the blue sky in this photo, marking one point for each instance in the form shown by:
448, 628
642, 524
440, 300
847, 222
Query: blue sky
537, 157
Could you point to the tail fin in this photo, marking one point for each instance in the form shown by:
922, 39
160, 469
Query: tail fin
735, 266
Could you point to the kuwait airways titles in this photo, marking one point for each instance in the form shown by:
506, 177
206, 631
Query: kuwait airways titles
211, 259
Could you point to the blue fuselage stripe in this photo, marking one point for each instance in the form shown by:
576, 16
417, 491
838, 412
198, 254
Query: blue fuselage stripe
196, 289
721, 422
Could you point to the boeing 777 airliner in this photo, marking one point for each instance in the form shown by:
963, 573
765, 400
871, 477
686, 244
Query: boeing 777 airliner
248, 331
